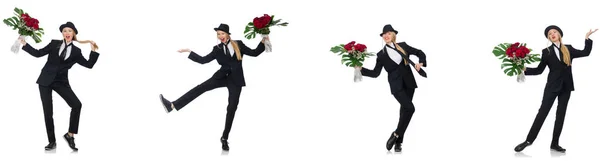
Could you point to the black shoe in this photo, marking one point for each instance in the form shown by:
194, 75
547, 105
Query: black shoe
71, 141
225, 145
391, 141
558, 148
522, 146
166, 103
398, 147
51, 146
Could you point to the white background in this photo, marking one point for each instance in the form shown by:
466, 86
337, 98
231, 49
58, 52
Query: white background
300, 103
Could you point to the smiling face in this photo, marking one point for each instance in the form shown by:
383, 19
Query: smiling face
68, 34
387, 37
554, 35
222, 36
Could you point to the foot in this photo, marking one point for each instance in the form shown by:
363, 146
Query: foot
398, 147
558, 148
166, 103
51, 146
391, 141
71, 141
224, 144
522, 146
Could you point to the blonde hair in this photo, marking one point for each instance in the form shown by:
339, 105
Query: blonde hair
83, 41
564, 50
398, 47
236, 48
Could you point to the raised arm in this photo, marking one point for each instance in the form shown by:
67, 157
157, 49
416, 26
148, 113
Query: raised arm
581, 53
541, 66
201, 59
35, 52
416, 52
375, 72
246, 50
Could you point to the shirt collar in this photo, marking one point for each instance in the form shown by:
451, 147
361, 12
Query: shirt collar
556, 44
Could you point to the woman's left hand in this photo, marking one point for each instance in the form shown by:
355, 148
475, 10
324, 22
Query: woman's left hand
418, 66
587, 36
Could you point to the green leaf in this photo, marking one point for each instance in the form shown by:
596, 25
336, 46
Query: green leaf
16, 20
502, 66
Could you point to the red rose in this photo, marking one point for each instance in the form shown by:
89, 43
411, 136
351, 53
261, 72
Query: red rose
349, 46
524, 49
515, 45
360, 47
266, 19
262, 22
24, 16
258, 24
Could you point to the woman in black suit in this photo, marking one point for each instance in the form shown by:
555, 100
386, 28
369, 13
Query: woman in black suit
402, 82
558, 58
229, 55
62, 55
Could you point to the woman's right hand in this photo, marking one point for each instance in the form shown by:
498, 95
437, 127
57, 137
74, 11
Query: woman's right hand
22, 41
183, 50
358, 67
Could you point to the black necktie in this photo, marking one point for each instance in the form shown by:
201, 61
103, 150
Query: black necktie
560, 54
226, 49
405, 57
64, 52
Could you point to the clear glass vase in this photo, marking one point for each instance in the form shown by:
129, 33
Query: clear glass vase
357, 75
521, 77
16, 47
268, 46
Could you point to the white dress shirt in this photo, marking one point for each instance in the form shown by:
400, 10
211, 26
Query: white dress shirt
557, 51
393, 54
62, 47
230, 47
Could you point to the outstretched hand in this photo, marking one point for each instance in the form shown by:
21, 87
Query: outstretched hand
184, 50
587, 36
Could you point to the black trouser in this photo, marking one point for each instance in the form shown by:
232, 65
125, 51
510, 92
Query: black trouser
406, 111
210, 84
547, 102
67, 94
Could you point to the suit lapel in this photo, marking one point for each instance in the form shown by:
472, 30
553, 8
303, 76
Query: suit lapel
556, 56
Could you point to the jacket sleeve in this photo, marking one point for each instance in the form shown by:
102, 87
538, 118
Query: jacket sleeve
375, 72
90, 62
581, 53
541, 66
203, 59
251, 52
416, 52
41, 52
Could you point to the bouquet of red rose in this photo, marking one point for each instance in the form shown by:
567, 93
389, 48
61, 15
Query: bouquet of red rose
514, 57
353, 55
26, 25
260, 25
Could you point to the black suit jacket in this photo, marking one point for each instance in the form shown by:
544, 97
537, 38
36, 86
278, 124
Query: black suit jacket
55, 68
399, 75
231, 68
560, 76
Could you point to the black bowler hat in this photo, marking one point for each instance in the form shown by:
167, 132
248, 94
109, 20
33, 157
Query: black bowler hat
553, 27
388, 28
69, 25
223, 27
